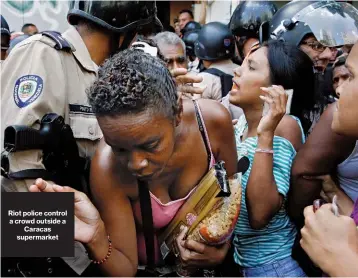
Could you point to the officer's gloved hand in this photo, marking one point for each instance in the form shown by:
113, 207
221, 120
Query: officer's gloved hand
185, 80
88, 221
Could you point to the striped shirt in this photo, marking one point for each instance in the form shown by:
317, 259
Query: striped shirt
274, 242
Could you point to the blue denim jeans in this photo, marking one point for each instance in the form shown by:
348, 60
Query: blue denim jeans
286, 267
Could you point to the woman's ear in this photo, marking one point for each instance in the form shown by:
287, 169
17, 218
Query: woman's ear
179, 114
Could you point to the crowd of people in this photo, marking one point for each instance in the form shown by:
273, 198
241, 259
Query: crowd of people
152, 111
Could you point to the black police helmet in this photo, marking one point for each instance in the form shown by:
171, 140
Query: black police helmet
248, 17
293, 32
5, 29
116, 16
191, 25
189, 39
332, 23
215, 42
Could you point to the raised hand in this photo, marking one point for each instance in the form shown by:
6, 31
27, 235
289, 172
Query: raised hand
276, 98
87, 218
185, 80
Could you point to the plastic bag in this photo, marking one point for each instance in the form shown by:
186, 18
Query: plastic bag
218, 226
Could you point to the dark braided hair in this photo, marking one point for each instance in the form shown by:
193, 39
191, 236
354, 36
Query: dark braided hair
132, 82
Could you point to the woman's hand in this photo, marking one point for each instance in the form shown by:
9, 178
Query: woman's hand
185, 80
330, 241
276, 98
194, 254
87, 219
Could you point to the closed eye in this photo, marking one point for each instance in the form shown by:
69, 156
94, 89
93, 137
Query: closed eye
250, 65
118, 150
151, 146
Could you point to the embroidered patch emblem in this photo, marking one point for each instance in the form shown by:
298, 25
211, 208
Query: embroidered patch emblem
27, 89
227, 42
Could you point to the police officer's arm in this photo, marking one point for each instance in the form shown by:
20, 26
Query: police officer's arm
320, 155
33, 84
111, 199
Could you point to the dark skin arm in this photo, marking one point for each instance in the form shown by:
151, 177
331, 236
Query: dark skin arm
221, 134
109, 196
263, 199
320, 155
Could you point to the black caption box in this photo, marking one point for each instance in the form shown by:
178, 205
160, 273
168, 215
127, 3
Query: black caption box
33, 232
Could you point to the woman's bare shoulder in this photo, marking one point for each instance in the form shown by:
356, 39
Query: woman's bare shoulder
215, 115
290, 129
107, 175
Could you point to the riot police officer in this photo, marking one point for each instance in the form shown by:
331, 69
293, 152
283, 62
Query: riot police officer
50, 72
215, 47
190, 26
58, 69
246, 20
191, 33
317, 28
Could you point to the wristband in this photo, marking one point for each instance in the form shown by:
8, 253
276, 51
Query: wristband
258, 150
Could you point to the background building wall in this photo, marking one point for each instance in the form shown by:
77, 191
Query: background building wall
45, 14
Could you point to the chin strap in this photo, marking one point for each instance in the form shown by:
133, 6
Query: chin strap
240, 46
128, 38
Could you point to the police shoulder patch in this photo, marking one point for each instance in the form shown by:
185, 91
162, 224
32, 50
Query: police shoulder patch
27, 89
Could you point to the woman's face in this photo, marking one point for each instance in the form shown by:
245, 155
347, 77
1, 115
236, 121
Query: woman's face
340, 74
345, 118
253, 74
142, 142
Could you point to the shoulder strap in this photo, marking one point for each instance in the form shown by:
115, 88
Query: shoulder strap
147, 221
303, 136
226, 80
202, 130
61, 43
214, 71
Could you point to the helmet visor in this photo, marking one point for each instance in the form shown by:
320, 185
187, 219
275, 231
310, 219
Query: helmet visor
333, 24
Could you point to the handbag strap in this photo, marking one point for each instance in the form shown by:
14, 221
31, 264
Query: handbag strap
147, 220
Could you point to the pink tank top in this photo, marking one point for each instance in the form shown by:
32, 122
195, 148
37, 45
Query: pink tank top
164, 213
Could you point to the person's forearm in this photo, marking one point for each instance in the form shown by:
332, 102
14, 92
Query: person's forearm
202, 18
345, 265
302, 194
117, 263
262, 196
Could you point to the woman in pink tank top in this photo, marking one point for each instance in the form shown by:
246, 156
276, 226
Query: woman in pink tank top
152, 136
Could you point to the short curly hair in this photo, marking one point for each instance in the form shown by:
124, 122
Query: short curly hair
132, 82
